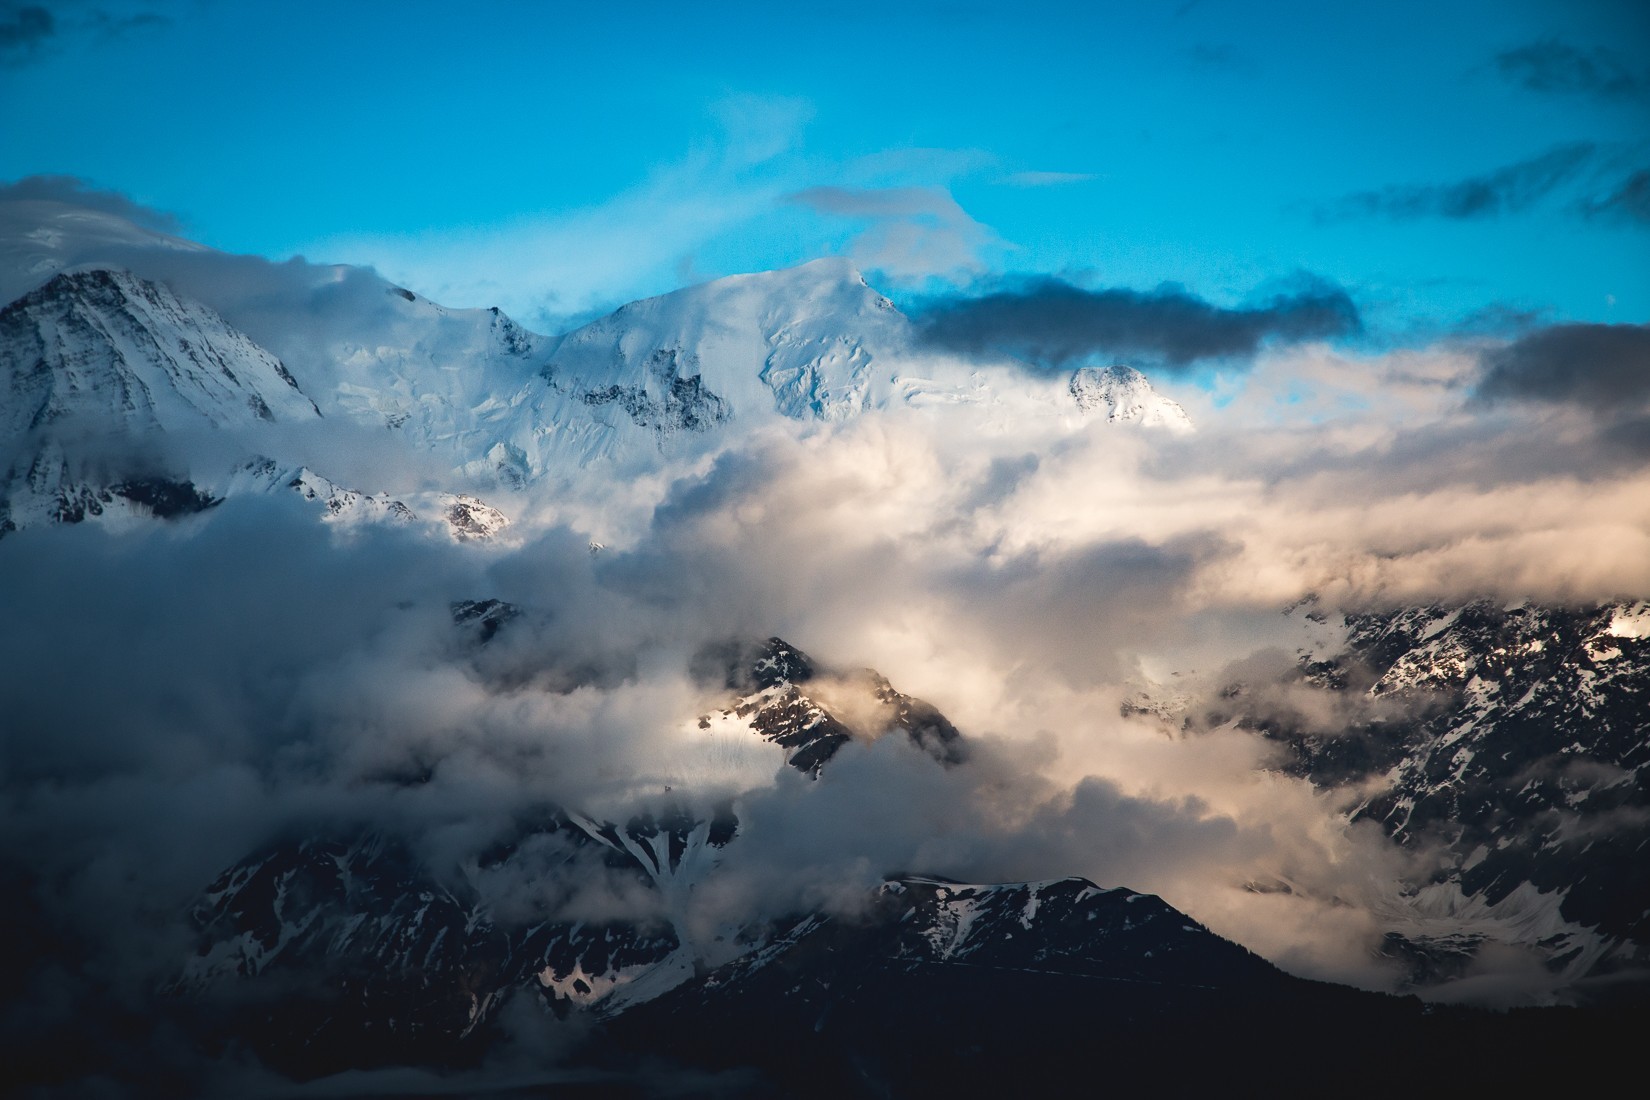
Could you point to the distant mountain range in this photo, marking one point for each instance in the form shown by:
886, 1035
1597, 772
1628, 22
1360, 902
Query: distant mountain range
99, 353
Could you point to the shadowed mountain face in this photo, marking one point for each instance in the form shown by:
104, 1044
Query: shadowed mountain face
350, 953
358, 952
1513, 740
936, 986
354, 950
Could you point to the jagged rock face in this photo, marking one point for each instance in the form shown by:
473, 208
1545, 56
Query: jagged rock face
666, 401
1123, 395
484, 616
1066, 926
49, 492
470, 519
786, 700
1515, 738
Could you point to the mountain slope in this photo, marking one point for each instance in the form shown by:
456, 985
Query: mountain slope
105, 374
1512, 739
438, 950
940, 988
105, 353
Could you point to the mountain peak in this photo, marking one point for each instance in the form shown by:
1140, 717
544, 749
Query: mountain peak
109, 352
799, 342
1124, 394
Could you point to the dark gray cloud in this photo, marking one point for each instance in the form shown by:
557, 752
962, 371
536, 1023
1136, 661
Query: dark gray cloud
1603, 367
1507, 190
74, 191
1629, 202
1552, 66
28, 30
24, 29
109, 26
1052, 323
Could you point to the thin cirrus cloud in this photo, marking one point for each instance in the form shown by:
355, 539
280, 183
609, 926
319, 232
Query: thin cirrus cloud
1048, 179
909, 232
1507, 190
550, 266
1605, 180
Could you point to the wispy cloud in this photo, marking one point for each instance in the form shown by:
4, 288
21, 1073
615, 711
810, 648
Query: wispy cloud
1507, 190
1603, 182
1551, 66
27, 31
1048, 179
911, 232
545, 267
78, 192
1629, 202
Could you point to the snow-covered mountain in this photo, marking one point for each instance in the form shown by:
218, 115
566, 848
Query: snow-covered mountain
350, 952
1122, 394
469, 390
812, 342
101, 366
122, 399
106, 353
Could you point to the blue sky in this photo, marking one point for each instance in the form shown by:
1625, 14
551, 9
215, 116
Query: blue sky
1443, 161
